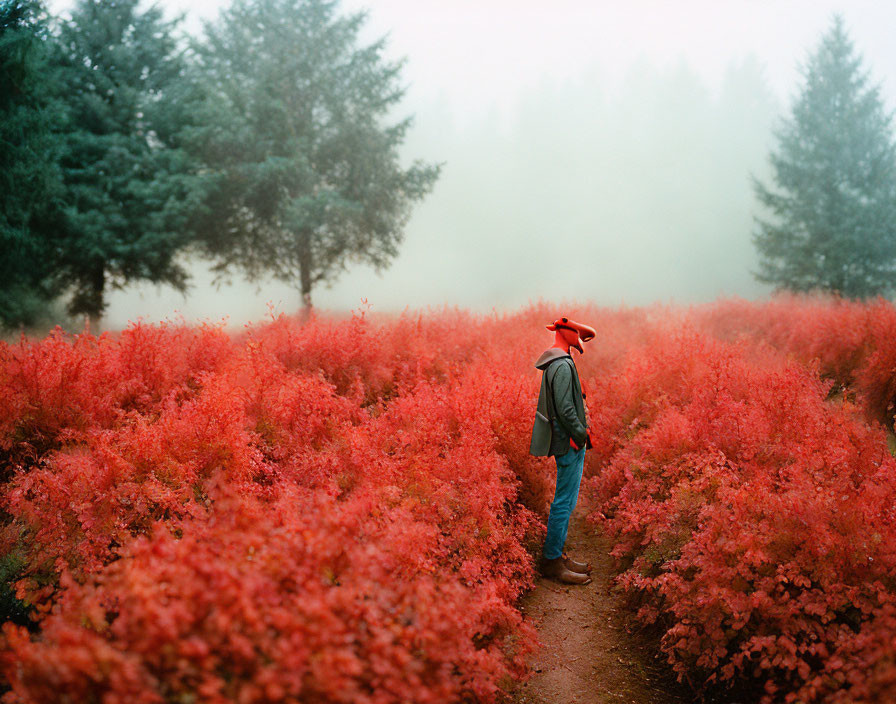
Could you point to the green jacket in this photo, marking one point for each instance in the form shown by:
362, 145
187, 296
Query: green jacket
560, 414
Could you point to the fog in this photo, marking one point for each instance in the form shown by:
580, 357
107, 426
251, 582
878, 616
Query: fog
592, 151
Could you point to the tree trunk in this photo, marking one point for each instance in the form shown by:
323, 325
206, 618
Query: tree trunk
94, 304
305, 264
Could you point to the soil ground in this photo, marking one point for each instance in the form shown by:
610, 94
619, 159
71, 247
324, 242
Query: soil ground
587, 657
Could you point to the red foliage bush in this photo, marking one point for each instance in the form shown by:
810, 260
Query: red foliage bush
346, 511
753, 522
853, 343
56, 389
300, 599
267, 525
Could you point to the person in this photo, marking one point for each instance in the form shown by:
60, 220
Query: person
561, 430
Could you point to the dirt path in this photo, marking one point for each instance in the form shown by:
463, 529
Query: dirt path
587, 657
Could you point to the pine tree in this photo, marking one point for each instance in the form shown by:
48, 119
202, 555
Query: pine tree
304, 175
834, 224
128, 194
29, 179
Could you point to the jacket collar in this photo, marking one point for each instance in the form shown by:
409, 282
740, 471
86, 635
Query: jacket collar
549, 356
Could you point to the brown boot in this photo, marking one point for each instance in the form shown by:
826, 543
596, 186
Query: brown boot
555, 569
574, 566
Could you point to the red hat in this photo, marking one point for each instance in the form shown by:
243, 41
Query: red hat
583, 332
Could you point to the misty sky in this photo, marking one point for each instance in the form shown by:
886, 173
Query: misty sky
593, 150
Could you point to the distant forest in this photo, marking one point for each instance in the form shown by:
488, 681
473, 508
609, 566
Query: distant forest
199, 159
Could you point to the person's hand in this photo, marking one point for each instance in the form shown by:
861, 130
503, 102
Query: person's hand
588, 443
572, 443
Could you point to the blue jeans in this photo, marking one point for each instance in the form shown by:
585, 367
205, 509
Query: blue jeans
569, 476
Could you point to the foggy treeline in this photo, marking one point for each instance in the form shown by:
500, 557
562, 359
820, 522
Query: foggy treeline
618, 194
627, 183
632, 196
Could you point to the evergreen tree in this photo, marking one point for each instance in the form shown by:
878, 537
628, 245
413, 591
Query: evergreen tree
128, 193
835, 170
304, 176
29, 179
